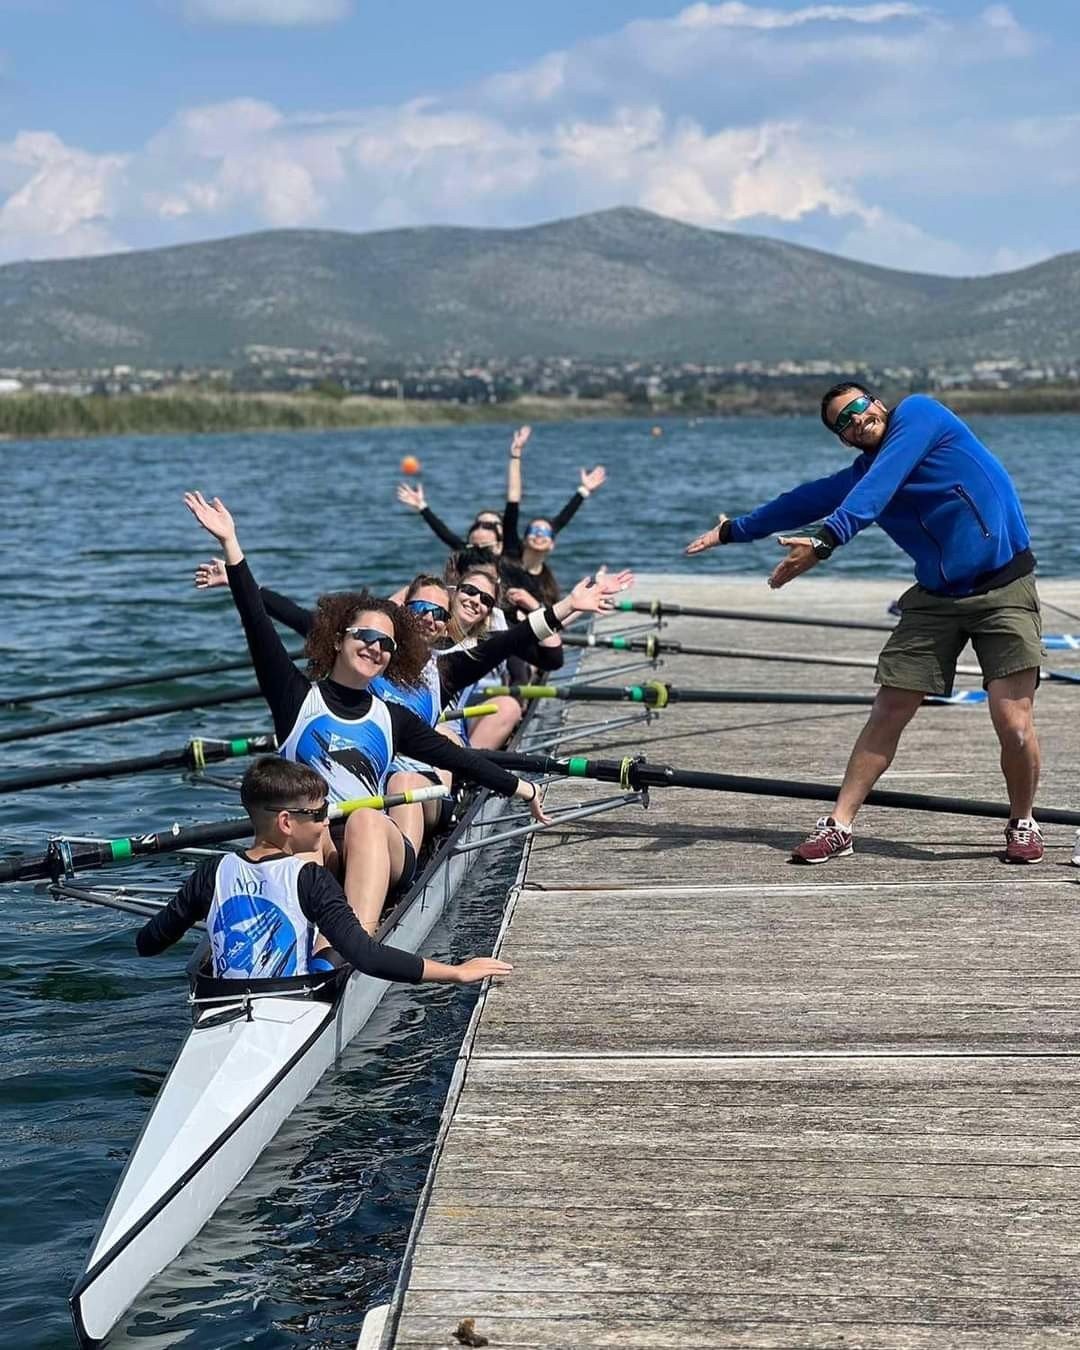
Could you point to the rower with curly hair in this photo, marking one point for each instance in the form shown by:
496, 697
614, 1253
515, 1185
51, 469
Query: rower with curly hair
335, 724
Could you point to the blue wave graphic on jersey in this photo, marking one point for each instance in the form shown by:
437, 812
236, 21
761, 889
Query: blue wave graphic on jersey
252, 937
360, 748
420, 700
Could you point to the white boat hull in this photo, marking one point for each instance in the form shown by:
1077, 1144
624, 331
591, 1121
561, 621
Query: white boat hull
230, 1089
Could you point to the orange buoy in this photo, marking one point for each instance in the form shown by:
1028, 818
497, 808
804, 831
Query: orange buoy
410, 464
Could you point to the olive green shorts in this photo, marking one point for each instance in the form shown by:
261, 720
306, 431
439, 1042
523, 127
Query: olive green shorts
1004, 627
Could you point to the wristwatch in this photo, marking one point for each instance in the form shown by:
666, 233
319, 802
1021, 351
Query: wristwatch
822, 549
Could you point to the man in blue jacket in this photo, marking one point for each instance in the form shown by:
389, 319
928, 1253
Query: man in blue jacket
938, 493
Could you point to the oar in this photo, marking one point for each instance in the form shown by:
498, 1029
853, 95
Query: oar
661, 608
127, 682
211, 699
658, 695
195, 755
473, 710
653, 647
64, 856
637, 774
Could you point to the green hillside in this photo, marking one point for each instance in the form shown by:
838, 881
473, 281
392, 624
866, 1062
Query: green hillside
619, 283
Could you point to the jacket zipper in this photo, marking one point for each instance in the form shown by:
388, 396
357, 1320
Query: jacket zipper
965, 496
940, 551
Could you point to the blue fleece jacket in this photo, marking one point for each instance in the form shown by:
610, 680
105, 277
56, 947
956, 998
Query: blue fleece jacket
931, 485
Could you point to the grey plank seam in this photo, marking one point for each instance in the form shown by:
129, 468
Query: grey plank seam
794, 888
780, 1054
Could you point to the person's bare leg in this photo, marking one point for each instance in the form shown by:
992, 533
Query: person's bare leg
493, 731
874, 750
410, 819
374, 855
1012, 710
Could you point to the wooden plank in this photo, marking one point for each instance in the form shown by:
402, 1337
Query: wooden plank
728, 1102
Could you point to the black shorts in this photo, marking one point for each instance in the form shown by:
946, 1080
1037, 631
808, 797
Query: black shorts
408, 874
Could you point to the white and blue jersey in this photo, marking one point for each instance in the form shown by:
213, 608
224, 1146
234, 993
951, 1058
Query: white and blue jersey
256, 927
352, 754
425, 700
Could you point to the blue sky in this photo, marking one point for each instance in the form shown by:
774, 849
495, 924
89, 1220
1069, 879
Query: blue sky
940, 138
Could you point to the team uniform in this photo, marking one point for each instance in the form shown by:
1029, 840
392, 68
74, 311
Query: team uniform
262, 919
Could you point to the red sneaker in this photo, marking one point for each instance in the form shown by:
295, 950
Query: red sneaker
1023, 842
826, 840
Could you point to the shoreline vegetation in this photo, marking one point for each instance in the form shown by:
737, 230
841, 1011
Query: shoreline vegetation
36, 415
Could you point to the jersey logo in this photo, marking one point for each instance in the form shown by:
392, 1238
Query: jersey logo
252, 938
361, 751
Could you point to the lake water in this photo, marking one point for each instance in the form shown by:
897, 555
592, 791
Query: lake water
96, 580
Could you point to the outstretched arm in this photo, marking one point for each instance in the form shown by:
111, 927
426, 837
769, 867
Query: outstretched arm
189, 906
801, 506
414, 499
591, 480
282, 685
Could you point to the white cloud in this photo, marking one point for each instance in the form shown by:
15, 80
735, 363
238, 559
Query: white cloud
277, 13
863, 125
60, 198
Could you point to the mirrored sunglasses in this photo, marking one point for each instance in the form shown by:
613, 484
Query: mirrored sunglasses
541, 531
373, 637
438, 612
850, 411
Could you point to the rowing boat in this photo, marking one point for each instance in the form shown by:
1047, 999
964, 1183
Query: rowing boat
255, 1051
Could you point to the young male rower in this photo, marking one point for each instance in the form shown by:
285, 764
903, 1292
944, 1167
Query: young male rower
274, 910
937, 492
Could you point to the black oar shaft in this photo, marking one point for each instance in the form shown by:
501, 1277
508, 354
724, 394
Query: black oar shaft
659, 608
193, 756
64, 857
128, 682
657, 695
639, 774
211, 699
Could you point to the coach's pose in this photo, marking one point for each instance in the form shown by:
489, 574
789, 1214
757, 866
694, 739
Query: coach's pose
937, 492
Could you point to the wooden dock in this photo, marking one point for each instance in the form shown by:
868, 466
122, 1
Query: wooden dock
725, 1101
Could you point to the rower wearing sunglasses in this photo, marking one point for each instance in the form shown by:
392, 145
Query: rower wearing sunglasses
525, 558
335, 724
942, 497
272, 912
338, 726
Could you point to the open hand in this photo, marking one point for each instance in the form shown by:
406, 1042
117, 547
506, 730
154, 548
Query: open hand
213, 516
478, 968
211, 574
596, 595
592, 479
801, 557
517, 445
710, 539
411, 497
536, 810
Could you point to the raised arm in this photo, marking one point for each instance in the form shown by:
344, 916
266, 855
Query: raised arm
414, 499
591, 480
282, 685
457, 670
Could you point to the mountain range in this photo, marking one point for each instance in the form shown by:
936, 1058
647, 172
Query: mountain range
619, 284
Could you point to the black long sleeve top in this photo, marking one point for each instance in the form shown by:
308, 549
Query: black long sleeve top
457, 669
285, 689
323, 903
